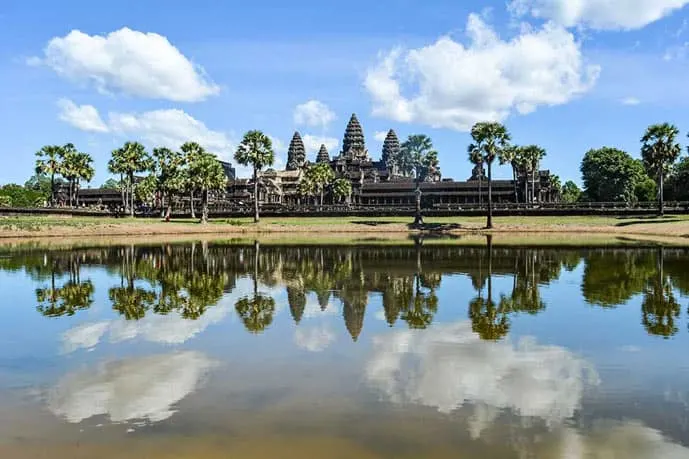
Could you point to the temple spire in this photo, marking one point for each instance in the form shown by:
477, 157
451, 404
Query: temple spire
296, 154
323, 156
353, 144
391, 150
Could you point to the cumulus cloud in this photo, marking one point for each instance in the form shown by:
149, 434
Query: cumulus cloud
313, 113
598, 14
142, 388
380, 136
453, 366
452, 85
127, 61
85, 336
313, 143
84, 117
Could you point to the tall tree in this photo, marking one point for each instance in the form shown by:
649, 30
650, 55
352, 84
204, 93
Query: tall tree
476, 158
532, 156
422, 160
208, 176
511, 155
255, 150
169, 175
610, 175
191, 152
320, 175
660, 150
490, 139
129, 160
76, 166
49, 162
342, 189
570, 192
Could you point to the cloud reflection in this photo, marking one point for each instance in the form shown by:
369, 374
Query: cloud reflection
142, 388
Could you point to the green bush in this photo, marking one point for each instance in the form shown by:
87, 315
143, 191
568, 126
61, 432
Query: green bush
5, 201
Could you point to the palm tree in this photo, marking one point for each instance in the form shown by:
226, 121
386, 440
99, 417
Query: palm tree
192, 151
660, 151
128, 160
320, 175
50, 162
514, 156
342, 188
476, 159
77, 166
532, 156
168, 167
423, 160
255, 150
208, 176
490, 138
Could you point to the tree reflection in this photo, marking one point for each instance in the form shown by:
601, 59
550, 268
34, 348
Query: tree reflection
65, 300
256, 311
659, 307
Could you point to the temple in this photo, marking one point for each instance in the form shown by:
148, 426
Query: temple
382, 183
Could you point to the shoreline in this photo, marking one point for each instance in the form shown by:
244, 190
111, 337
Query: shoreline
508, 230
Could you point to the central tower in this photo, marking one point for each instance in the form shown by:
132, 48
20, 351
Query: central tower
353, 144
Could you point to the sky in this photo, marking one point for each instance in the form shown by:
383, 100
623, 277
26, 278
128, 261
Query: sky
568, 75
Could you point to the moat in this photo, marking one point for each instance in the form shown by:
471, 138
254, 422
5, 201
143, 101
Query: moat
214, 350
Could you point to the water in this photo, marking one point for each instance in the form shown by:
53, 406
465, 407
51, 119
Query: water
208, 350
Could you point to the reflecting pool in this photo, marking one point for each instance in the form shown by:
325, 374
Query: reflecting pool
424, 350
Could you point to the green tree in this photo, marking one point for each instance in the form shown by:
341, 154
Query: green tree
169, 167
419, 158
145, 189
660, 150
191, 152
49, 162
532, 156
39, 183
490, 139
320, 175
645, 189
76, 166
5, 201
111, 184
255, 150
570, 192
610, 175
512, 155
679, 181
19, 196
208, 176
128, 160
476, 158
342, 189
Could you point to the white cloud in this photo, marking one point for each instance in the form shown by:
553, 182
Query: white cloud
313, 143
453, 366
630, 101
457, 85
141, 388
313, 113
314, 338
85, 336
380, 136
599, 14
128, 61
84, 117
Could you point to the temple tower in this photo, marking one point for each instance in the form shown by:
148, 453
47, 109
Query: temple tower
323, 156
353, 144
391, 150
296, 154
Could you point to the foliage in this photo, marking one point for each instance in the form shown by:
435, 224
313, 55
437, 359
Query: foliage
570, 192
5, 201
168, 167
660, 152
41, 183
417, 158
207, 175
18, 196
128, 160
645, 189
678, 183
145, 189
316, 178
49, 162
610, 175
75, 167
255, 150
112, 184
342, 189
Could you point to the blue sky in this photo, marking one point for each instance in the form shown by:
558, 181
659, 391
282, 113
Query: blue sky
566, 75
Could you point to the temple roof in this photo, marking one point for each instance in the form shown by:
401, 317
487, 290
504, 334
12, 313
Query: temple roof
296, 154
353, 141
323, 156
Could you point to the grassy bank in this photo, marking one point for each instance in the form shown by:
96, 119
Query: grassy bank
347, 228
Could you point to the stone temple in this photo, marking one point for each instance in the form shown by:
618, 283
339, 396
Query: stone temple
378, 182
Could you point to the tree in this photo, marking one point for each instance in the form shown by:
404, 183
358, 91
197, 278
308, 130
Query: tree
255, 150
660, 150
555, 185
476, 158
570, 192
342, 189
679, 180
532, 156
192, 151
610, 175
208, 176
510, 155
76, 166
145, 190
418, 157
5, 201
111, 184
49, 162
169, 175
490, 139
40, 183
128, 160
320, 175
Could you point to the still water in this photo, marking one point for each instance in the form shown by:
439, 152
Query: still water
211, 350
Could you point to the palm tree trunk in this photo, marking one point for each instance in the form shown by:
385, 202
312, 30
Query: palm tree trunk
256, 216
418, 218
514, 180
489, 224
321, 206
204, 211
526, 185
168, 212
191, 203
533, 184
131, 194
661, 195
480, 192
52, 189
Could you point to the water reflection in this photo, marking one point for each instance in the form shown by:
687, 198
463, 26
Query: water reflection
188, 280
